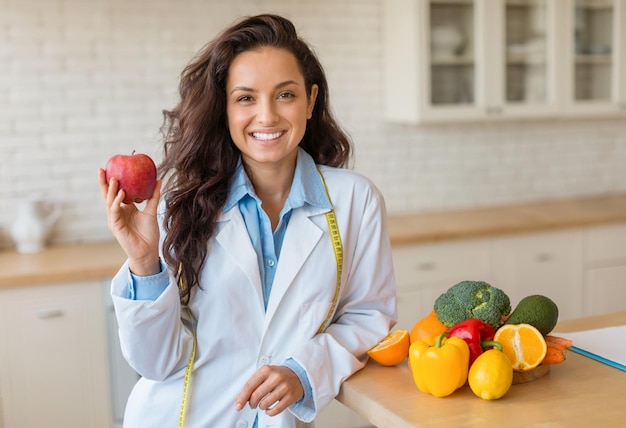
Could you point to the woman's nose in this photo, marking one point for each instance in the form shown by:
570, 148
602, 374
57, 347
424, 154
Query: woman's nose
266, 113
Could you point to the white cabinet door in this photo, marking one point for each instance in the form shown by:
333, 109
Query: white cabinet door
423, 272
122, 377
605, 269
432, 60
336, 415
605, 290
53, 366
605, 245
593, 41
547, 263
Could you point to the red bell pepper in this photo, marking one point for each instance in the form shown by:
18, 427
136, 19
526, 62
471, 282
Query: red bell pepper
476, 333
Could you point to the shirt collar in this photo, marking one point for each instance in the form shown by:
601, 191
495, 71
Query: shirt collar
307, 186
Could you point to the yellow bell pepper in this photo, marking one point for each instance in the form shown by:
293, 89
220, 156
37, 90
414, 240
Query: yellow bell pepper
491, 375
439, 364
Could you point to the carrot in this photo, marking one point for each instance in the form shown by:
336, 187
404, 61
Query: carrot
556, 349
555, 353
557, 340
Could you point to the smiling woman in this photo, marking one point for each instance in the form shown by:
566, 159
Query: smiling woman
263, 277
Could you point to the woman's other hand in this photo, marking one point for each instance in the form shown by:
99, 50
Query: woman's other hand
271, 388
136, 231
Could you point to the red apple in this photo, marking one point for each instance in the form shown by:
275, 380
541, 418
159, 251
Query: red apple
136, 174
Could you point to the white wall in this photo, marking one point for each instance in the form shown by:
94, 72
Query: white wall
81, 80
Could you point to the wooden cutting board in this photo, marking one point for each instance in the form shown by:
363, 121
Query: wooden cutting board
529, 376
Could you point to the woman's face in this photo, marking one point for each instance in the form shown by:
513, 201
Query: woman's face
267, 106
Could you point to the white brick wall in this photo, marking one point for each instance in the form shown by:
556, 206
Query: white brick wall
81, 80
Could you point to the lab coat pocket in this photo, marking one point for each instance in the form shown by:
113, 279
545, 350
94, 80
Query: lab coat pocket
312, 316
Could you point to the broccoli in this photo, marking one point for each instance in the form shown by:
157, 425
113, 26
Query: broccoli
472, 299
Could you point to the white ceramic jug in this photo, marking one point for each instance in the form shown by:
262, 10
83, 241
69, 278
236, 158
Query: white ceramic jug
33, 224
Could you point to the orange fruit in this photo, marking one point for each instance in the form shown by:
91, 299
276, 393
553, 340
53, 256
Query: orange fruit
392, 350
523, 344
429, 326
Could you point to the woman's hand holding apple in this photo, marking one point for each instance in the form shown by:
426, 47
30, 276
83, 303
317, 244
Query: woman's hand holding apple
136, 231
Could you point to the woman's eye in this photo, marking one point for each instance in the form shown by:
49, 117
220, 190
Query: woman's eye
244, 98
285, 95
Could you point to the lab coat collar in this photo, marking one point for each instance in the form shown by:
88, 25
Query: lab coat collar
233, 237
301, 237
307, 187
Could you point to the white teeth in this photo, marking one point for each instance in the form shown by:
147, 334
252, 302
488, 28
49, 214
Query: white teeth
260, 136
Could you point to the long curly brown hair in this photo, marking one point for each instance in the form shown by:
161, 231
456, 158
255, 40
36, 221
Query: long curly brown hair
199, 155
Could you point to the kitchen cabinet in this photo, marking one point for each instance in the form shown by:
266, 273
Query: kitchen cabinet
548, 263
53, 356
605, 269
122, 377
336, 415
423, 272
459, 60
597, 55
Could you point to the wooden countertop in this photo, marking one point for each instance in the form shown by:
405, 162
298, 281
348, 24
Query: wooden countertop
103, 259
437, 226
63, 263
579, 392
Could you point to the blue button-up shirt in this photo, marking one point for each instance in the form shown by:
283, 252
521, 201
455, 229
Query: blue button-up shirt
307, 188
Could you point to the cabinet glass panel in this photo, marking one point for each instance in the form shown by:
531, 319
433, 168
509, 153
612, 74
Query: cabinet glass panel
593, 48
526, 63
452, 66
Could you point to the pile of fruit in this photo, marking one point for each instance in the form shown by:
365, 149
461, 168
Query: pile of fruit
473, 336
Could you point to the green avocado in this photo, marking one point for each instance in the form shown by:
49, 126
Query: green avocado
537, 310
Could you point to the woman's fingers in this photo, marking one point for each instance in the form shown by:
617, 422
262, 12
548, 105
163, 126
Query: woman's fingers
271, 388
113, 193
276, 401
110, 190
153, 203
113, 197
102, 182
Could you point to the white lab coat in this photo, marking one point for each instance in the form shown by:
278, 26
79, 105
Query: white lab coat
236, 335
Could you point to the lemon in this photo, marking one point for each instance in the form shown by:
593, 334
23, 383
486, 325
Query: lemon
491, 375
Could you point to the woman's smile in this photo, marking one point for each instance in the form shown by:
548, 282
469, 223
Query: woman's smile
263, 136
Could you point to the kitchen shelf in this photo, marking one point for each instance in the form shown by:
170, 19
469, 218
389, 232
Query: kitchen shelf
452, 60
594, 59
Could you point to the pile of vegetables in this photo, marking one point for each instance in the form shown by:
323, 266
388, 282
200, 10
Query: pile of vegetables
461, 347
473, 336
